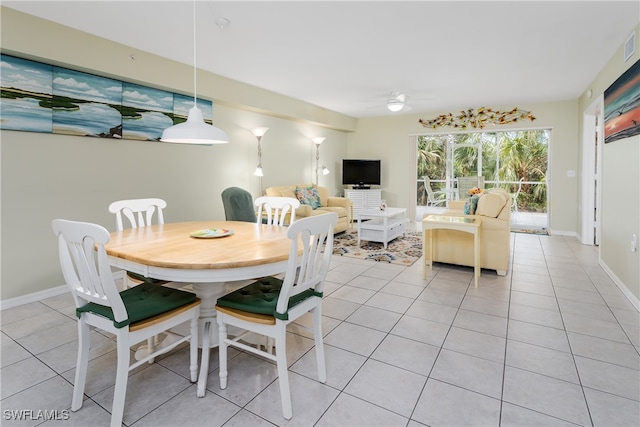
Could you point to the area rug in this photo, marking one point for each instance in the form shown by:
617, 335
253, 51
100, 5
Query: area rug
404, 250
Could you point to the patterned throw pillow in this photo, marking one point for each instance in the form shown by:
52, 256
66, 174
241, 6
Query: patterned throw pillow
471, 204
308, 196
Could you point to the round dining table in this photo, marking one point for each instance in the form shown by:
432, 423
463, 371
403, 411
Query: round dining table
215, 257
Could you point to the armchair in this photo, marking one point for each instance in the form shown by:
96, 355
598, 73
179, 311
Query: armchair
454, 247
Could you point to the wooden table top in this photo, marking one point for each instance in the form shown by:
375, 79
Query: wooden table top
171, 246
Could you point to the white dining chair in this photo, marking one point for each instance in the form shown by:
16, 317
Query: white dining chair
138, 213
276, 209
268, 305
133, 315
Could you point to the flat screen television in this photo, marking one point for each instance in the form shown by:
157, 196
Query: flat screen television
360, 173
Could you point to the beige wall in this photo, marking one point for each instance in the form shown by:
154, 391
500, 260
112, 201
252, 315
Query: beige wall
620, 183
389, 139
46, 176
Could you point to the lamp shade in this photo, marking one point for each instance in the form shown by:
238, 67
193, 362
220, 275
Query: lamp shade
325, 170
258, 171
194, 131
259, 131
318, 140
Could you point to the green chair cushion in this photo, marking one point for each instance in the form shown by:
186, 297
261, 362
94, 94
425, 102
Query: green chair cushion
261, 297
142, 302
144, 279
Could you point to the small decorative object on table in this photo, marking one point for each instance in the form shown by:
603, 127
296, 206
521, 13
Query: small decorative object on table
383, 205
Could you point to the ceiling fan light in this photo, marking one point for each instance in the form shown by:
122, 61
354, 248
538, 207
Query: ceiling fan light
394, 105
194, 131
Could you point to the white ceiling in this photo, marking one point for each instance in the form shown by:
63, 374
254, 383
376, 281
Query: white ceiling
349, 56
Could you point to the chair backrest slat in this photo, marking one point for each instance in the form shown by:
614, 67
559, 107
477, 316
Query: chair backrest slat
307, 271
139, 212
276, 209
85, 265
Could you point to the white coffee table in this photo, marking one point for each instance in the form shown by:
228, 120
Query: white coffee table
383, 225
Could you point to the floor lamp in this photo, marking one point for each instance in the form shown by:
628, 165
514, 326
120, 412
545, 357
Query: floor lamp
325, 171
259, 133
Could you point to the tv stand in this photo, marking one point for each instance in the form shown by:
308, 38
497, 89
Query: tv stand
361, 187
363, 199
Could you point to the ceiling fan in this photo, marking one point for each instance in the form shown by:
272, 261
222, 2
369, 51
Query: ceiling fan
397, 102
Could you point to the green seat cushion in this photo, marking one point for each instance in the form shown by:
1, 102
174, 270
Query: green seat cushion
140, 277
261, 297
142, 302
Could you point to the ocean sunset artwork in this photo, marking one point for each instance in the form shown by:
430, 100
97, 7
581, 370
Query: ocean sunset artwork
622, 106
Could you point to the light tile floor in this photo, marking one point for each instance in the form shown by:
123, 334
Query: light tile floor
554, 343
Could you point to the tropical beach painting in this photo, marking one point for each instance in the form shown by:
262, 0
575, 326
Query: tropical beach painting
622, 106
182, 104
146, 112
26, 88
86, 105
38, 97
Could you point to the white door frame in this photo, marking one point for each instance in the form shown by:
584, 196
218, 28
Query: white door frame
591, 167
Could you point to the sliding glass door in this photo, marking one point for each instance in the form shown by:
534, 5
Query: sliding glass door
514, 160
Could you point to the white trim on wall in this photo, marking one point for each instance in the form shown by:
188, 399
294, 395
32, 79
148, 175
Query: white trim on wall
627, 293
40, 295
590, 201
34, 297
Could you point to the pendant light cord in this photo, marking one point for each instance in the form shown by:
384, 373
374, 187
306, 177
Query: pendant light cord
194, 56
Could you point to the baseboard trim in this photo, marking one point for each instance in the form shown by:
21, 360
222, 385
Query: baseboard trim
40, 295
34, 297
623, 288
563, 233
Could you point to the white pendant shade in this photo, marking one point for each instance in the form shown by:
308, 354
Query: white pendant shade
258, 171
194, 131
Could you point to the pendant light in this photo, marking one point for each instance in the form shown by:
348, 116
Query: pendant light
194, 130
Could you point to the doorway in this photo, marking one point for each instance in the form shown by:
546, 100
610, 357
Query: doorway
592, 140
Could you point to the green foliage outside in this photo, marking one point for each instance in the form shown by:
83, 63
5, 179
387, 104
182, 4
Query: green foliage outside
506, 157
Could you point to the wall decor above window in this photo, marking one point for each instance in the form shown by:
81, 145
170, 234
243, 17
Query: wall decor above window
38, 97
477, 118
